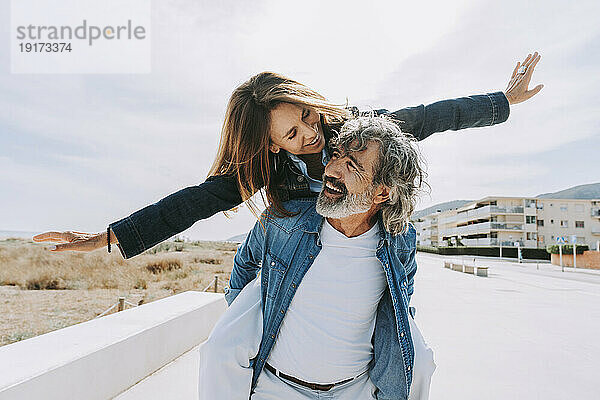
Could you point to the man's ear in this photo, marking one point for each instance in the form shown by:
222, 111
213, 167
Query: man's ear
382, 194
274, 148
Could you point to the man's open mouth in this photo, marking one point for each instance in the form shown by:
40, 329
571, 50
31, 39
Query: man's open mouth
332, 190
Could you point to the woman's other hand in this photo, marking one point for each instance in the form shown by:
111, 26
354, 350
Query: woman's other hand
75, 241
517, 90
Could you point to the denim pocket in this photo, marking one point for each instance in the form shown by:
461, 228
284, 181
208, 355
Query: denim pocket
275, 271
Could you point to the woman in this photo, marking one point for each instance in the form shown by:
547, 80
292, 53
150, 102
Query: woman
274, 137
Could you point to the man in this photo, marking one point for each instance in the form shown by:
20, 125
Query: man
335, 291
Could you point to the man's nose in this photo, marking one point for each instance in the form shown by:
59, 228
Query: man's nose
333, 169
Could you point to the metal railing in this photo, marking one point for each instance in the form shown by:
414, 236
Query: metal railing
507, 226
506, 210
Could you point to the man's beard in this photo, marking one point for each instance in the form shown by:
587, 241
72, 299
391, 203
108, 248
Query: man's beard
346, 205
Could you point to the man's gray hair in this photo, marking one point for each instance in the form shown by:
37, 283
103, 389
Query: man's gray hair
399, 167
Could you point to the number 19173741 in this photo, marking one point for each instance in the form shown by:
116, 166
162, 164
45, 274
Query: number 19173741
45, 47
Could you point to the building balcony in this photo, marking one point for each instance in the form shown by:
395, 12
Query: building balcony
506, 210
487, 211
506, 226
595, 212
472, 229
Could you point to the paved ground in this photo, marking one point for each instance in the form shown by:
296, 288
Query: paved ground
521, 333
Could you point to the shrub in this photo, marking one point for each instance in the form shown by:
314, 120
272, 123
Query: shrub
166, 264
44, 282
208, 260
567, 249
141, 284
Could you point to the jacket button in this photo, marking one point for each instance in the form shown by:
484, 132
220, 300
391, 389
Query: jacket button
293, 285
272, 263
401, 334
272, 336
408, 368
300, 178
311, 257
282, 312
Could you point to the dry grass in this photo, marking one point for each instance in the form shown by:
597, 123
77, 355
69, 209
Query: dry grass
34, 279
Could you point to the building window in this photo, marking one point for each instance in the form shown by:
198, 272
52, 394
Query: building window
531, 236
564, 223
579, 208
580, 240
530, 219
540, 206
579, 224
529, 203
552, 221
541, 238
563, 207
540, 222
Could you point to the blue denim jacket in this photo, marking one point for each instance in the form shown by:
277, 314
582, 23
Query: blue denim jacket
178, 211
283, 249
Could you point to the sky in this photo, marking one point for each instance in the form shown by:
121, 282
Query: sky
79, 151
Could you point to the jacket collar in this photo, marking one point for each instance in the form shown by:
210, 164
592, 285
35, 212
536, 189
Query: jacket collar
314, 224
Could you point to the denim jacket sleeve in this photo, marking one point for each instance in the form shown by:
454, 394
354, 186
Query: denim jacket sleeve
411, 270
455, 114
174, 214
247, 261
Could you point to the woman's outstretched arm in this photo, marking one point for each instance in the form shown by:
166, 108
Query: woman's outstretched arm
157, 222
175, 213
471, 111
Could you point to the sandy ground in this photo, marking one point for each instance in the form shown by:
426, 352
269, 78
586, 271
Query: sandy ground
27, 313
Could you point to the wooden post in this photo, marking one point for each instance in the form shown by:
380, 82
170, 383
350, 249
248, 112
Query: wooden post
121, 304
216, 282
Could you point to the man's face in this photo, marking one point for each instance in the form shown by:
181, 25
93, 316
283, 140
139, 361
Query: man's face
348, 183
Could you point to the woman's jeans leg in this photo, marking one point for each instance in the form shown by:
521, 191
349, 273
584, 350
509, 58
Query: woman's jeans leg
225, 371
424, 365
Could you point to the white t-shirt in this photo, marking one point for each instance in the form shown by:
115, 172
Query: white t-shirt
325, 336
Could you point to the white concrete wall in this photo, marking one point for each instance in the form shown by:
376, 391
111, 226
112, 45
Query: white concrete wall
100, 359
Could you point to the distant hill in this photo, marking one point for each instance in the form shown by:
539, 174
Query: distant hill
238, 238
449, 205
589, 191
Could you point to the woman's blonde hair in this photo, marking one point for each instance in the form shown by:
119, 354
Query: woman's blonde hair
245, 138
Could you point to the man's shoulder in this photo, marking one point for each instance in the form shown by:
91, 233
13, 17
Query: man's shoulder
303, 215
406, 241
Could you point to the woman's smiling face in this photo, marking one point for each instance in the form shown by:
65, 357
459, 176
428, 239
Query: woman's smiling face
296, 129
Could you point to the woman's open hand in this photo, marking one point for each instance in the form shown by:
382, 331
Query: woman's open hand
76, 241
517, 90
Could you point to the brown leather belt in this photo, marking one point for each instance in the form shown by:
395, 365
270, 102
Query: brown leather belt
313, 386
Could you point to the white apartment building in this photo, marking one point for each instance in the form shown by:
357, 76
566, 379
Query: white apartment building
502, 221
